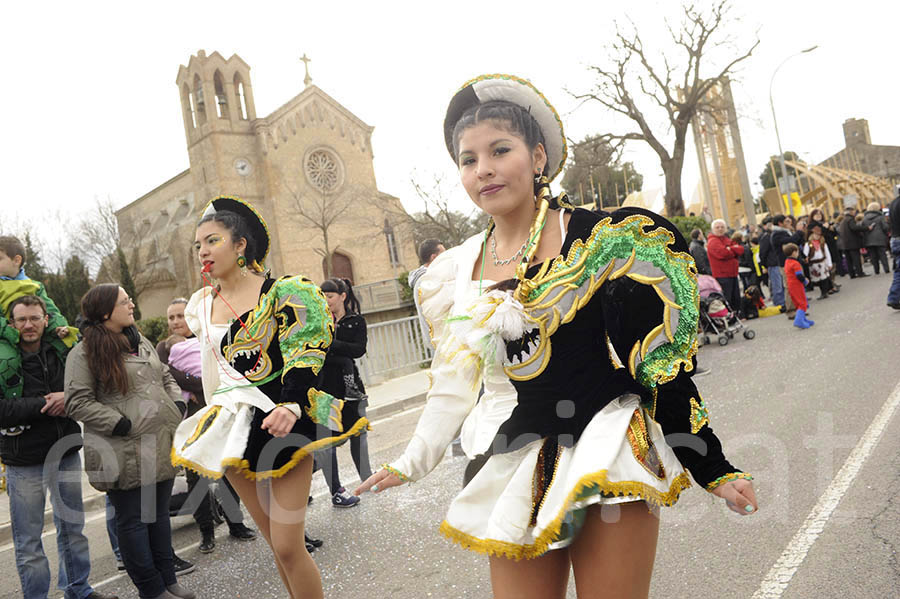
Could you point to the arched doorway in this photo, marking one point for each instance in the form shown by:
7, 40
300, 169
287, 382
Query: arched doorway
341, 266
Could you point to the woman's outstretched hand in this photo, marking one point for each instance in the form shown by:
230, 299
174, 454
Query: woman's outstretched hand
739, 496
378, 482
279, 422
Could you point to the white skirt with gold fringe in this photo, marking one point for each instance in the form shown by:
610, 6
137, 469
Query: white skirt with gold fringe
510, 509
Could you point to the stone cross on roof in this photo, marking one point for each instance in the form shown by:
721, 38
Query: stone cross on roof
306, 60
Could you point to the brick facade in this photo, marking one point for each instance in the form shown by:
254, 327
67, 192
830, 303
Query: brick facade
310, 156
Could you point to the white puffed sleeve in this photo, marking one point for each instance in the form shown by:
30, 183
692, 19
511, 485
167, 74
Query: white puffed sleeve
454, 382
196, 317
193, 312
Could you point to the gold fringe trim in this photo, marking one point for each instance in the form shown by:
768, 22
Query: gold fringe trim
518, 552
396, 472
727, 479
243, 466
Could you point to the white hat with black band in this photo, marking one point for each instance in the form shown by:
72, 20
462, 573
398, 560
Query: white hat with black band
487, 88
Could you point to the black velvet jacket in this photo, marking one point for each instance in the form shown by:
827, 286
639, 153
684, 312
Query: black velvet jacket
618, 315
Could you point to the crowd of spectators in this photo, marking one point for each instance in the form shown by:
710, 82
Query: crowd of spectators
754, 255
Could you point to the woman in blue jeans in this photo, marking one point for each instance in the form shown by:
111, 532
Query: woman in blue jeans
126, 398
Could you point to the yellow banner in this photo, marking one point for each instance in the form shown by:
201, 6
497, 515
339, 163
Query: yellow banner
798, 205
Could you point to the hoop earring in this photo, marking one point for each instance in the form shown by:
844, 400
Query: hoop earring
242, 264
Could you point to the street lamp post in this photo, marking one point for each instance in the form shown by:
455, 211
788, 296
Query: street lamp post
784, 174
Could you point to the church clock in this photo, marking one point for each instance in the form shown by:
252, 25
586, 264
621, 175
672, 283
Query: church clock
242, 166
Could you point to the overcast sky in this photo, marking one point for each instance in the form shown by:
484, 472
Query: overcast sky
91, 108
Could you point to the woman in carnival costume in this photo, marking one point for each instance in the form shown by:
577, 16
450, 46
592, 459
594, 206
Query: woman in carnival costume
580, 329
263, 342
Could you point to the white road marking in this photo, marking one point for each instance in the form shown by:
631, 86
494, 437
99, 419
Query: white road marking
779, 577
121, 575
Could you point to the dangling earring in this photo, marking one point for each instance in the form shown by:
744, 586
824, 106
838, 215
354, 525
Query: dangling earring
242, 264
537, 182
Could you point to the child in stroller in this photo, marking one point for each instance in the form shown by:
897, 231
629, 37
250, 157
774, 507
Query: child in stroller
716, 315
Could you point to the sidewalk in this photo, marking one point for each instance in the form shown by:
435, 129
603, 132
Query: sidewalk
386, 399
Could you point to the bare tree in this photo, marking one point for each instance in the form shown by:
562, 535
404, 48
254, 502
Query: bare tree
677, 88
100, 245
322, 211
96, 237
436, 219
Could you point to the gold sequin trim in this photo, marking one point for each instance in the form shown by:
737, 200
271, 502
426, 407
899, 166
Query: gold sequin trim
699, 415
642, 447
538, 491
395, 472
727, 479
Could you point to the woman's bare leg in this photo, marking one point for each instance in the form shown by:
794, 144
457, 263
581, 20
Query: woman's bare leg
249, 491
614, 552
287, 517
544, 577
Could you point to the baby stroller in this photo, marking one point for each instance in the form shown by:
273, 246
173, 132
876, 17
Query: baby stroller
182, 504
717, 317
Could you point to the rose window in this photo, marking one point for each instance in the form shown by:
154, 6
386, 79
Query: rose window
323, 170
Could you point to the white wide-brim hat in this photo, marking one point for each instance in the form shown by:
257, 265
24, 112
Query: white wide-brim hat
521, 92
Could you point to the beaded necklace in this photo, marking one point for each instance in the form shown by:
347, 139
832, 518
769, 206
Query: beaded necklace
530, 245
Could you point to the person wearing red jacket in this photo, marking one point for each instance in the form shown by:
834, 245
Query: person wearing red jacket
723, 261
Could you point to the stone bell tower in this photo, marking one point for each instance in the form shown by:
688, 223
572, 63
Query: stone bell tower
219, 113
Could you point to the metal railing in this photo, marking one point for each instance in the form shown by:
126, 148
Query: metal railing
380, 295
395, 348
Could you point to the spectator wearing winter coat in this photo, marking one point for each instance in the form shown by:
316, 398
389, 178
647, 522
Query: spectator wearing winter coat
746, 267
783, 233
129, 403
698, 251
723, 255
875, 238
773, 258
830, 234
768, 259
850, 240
894, 213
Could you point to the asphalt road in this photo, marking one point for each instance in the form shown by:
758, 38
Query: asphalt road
789, 406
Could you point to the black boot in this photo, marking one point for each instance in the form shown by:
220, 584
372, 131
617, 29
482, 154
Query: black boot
208, 542
312, 541
241, 532
351, 389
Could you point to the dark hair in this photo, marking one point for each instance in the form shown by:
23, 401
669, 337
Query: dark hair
789, 248
778, 219
237, 227
767, 220
27, 300
427, 249
695, 234
12, 247
105, 350
335, 285
507, 115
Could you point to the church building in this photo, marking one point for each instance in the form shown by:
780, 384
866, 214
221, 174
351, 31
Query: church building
307, 168
861, 155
